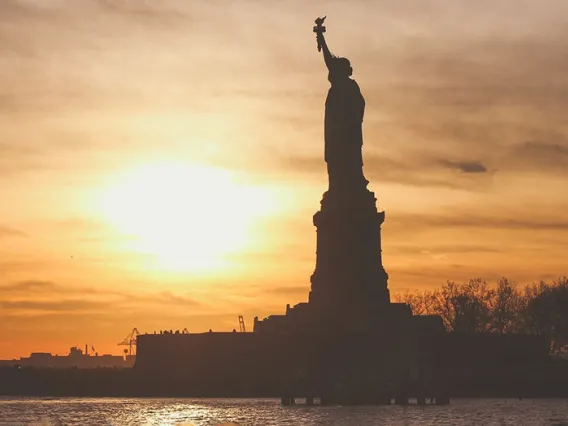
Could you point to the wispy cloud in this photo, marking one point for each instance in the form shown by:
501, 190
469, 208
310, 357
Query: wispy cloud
28, 287
36, 297
415, 169
463, 220
292, 291
6, 231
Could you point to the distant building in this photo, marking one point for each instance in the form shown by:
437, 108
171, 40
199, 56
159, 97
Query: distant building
75, 359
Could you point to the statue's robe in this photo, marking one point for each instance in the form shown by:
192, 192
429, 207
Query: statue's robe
344, 110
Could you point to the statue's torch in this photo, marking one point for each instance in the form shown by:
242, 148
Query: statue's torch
319, 29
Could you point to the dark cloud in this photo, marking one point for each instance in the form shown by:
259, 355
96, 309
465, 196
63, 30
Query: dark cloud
465, 166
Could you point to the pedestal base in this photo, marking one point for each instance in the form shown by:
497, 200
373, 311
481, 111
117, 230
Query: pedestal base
349, 274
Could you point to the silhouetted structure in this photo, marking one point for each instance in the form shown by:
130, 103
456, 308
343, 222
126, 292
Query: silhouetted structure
348, 344
349, 285
75, 359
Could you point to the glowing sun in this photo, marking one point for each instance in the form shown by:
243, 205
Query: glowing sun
190, 217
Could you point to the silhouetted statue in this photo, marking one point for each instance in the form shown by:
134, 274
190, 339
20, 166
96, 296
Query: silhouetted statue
344, 110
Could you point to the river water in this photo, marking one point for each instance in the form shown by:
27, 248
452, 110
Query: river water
265, 412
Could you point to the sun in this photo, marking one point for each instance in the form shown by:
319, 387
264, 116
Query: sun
189, 217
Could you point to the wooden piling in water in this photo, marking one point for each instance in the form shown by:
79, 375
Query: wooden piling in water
442, 400
401, 400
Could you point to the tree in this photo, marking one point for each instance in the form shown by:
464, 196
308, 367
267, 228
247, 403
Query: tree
465, 307
421, 302
546, 312
473, 307
507, 305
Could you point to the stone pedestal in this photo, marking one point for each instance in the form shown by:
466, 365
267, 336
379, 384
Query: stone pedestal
349, 273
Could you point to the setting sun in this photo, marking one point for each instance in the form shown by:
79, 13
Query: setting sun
189, 217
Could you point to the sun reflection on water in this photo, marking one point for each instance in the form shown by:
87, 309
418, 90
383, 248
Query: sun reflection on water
268, 412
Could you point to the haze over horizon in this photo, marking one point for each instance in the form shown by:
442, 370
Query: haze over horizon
160, 161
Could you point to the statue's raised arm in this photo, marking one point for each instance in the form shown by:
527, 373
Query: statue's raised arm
344, 111
319, 29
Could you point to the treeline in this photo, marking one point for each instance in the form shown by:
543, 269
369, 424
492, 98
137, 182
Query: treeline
476, 306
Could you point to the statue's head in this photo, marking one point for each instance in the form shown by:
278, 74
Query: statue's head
340, 70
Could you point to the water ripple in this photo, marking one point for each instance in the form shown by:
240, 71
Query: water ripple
268, 412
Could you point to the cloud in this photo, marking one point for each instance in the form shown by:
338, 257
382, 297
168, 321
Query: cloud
432, 87
399, 249
419, 169
473, 101
6, 231
465, 166
496, 222
289, 290
45, 297
91, 302
462, 219
69, 305
28, 286
539, 156
146, 12
165, 298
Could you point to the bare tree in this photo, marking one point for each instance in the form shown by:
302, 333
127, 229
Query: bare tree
473, 307
421, 302
465, 307
507, 305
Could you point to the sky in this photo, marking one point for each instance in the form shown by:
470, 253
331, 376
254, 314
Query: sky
160, 161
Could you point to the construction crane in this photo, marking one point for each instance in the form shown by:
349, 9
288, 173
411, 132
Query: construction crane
242, 327
130, 340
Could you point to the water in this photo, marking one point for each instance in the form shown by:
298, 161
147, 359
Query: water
266, 412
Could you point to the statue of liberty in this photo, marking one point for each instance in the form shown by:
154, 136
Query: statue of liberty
344, 110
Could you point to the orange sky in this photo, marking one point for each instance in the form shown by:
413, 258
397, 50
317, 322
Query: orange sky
160, 161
